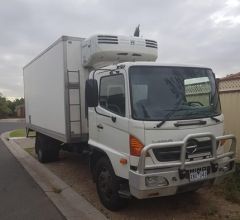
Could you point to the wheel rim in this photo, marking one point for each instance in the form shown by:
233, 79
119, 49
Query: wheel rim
105, 183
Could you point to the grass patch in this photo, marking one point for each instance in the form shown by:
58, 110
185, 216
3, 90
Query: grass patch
230, 187
20, 133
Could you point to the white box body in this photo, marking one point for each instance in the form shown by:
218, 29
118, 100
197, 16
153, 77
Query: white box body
54, 90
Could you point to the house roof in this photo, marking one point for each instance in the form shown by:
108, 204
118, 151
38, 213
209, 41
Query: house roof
20, 106
231, 77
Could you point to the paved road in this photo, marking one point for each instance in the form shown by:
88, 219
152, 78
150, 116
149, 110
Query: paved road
20, 197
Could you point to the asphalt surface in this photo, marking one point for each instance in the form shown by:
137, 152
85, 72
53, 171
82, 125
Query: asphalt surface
20, 197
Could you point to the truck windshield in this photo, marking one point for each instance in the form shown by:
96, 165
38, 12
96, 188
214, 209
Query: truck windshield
160, 92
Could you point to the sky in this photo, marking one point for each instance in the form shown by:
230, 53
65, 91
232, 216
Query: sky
205, 32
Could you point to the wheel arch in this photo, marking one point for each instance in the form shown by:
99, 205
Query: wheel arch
95, 155
113, 156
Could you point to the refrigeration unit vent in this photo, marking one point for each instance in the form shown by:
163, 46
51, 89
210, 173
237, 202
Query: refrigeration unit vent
107, 39
151, 43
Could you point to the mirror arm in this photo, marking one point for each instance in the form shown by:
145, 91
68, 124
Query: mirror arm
108, 116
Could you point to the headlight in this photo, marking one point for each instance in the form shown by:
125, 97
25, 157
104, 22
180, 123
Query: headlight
152, 181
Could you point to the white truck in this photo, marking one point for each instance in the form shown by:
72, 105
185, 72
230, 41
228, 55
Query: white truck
150, 129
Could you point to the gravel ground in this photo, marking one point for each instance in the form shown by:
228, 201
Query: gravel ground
203, 204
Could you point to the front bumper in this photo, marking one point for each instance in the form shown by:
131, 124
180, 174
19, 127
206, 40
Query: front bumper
176, 174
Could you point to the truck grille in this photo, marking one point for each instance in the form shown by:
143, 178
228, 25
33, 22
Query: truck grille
172, 154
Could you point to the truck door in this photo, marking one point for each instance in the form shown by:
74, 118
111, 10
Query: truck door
112, 123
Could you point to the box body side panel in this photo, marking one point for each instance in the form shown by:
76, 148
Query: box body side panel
44, 91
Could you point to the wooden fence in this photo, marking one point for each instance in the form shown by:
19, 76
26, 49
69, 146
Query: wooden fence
229, 90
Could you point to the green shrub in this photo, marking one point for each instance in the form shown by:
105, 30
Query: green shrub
231, 186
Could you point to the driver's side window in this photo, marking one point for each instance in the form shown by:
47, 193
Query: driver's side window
112, 93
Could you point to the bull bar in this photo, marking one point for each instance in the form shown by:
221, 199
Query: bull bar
137, 178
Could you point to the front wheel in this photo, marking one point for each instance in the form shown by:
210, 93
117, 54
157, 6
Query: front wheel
108, 186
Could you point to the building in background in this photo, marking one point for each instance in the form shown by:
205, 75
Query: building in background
20, 111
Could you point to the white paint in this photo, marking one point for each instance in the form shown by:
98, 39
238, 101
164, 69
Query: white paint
97, 55
44, 90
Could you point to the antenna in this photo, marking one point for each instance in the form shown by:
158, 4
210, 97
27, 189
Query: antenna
137, 31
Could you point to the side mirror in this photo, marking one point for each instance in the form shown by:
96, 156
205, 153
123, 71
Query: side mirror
91, 93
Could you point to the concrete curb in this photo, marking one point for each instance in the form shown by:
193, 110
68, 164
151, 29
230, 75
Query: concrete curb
72, 205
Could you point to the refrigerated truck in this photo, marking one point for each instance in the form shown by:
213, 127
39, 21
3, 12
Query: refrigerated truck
150, 129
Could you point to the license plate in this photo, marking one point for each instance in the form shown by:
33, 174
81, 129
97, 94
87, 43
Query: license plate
198, 174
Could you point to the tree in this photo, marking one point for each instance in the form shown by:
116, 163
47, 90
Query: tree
4, 107
12, 105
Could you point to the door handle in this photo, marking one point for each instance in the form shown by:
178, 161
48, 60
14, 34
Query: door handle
100, 126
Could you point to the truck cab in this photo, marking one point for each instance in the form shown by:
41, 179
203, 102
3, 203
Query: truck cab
158, 127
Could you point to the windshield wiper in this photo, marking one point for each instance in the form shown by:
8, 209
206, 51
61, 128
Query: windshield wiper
168, 116
160, 124
215, 119
188, 123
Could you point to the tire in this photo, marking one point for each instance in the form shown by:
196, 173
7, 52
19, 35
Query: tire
41, 149
108, 186
37, 143
54, 148
47, 149
41, 154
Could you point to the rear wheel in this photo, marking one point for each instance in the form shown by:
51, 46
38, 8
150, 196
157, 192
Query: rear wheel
37, 143
42, 155
47, 148
108, 186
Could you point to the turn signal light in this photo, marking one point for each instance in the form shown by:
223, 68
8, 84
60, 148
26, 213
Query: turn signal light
123, 161
135, 146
